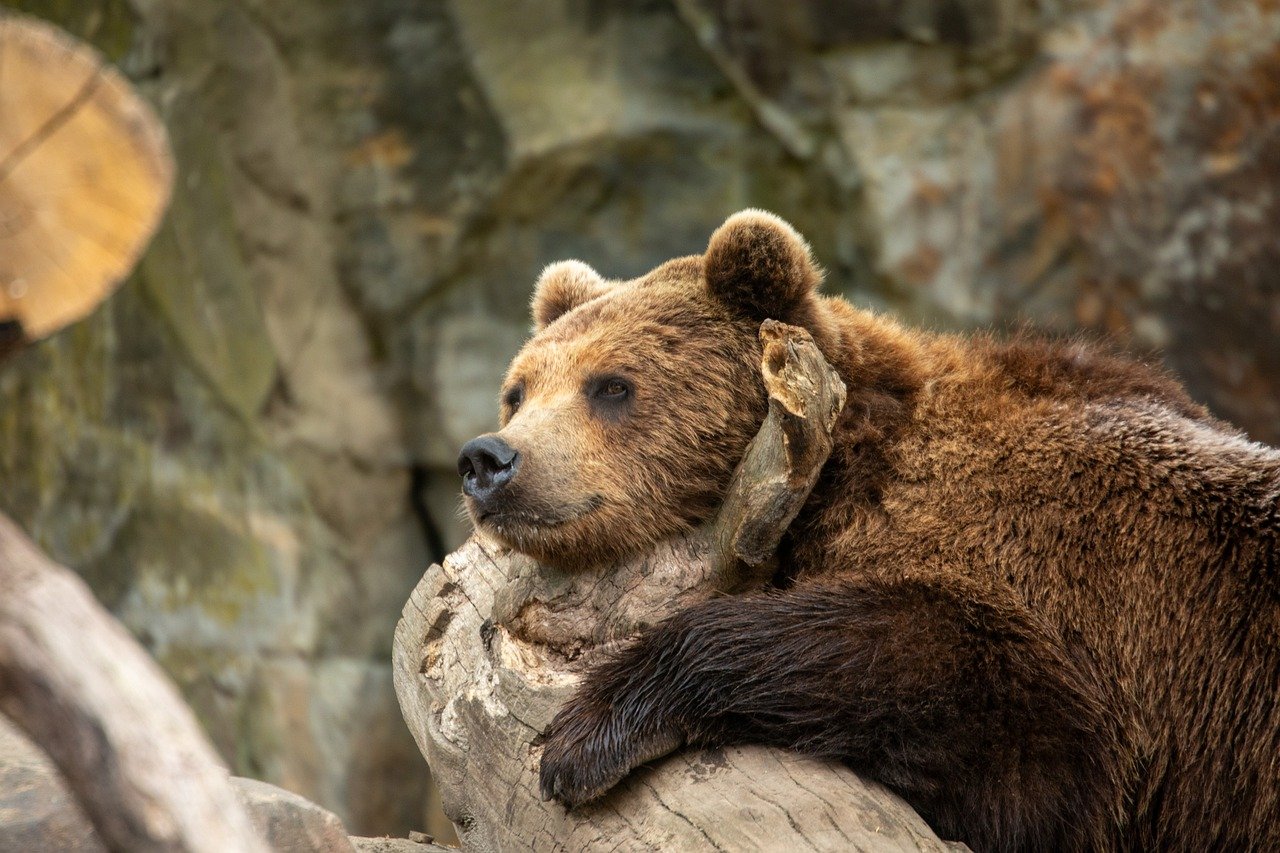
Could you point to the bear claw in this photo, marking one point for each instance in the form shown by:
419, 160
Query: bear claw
583, 759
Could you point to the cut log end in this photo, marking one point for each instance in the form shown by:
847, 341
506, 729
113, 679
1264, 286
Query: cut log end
85, 175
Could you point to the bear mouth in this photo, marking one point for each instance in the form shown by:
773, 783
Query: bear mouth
502, 519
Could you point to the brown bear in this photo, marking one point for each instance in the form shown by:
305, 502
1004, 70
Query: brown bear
1036, 590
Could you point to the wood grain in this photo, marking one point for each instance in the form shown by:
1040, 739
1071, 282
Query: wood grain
85, 174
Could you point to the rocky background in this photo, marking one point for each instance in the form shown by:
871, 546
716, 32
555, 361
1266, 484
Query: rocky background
249, 451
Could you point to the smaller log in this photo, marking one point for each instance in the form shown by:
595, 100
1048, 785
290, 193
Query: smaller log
130, 750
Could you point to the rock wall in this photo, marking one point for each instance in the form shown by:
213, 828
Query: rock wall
249, 451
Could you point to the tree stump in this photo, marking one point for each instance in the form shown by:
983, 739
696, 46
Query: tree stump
491, 644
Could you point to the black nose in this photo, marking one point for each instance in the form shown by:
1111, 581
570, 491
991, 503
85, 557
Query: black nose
486, 463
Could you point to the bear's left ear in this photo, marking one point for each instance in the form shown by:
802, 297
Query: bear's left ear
759, 265
562, 287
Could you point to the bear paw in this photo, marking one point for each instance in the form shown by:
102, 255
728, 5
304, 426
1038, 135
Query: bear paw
586, 753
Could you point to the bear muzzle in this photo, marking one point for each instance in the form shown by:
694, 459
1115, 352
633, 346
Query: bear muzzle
486, 464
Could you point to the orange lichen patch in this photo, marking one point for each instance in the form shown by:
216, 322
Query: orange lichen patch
921, 266
1105, 304
1116, 155
85, 174
1217, 117
1263, 89
388, 148
1142, 21
1231, 110
1089, 306
1064, 78
1120, 138
1056, 234
1221, 164
429, 225
928, 192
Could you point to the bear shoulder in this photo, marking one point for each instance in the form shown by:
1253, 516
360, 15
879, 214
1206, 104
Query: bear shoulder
1040, 366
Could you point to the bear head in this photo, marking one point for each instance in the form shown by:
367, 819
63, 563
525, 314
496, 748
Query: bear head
625, 414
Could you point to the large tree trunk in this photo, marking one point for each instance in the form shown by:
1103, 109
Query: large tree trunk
491, 644
83, 690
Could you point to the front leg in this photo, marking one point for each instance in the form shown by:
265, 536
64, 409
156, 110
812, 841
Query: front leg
951, 694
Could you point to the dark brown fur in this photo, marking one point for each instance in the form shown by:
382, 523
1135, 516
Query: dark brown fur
1036, 590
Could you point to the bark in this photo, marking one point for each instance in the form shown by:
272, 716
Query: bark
491, 643
86, 693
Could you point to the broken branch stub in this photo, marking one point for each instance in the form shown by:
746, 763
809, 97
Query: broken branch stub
491, 644
782, 462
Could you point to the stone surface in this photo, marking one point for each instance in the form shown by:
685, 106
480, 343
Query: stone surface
249, 451
36, 813
213, 451
290, 823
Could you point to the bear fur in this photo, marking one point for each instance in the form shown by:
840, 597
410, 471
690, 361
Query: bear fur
1036, 590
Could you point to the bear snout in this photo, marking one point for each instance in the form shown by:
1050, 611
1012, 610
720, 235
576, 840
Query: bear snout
486, 464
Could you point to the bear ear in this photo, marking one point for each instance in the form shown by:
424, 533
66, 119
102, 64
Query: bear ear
562, 287
760, 266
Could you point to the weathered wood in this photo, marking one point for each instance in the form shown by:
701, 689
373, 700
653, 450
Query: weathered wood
83, 690
85, 174
782, 462
491, 644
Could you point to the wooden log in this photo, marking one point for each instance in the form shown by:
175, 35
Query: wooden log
75, 682
491, 644
85, 175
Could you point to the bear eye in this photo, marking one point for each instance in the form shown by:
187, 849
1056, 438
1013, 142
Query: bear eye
614, 388
609, 392
513, 397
